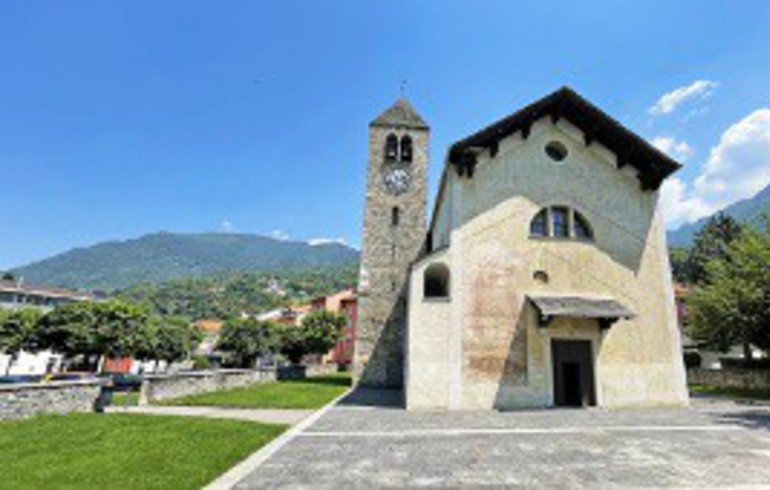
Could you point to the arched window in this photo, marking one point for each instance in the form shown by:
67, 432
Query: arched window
391, 147
406, 149
436, 281
395, 216
560, 222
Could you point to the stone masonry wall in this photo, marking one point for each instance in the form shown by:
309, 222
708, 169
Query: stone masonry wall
387, 253
60, 397
753, 379
164, 387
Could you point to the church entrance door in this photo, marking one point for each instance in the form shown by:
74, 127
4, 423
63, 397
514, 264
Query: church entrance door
573, 373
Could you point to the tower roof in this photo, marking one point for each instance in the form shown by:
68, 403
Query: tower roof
400, 114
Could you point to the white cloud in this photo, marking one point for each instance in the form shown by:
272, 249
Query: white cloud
737, 168
679, 150
226, 226
678, 207
314, 242
279, 235
668, 102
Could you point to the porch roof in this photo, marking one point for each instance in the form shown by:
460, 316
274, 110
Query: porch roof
550, 306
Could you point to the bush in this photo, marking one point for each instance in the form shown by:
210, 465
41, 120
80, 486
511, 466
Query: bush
201, 362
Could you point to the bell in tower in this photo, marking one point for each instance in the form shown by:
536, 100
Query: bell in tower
393, 236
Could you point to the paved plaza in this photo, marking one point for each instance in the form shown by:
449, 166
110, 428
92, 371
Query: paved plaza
368, 441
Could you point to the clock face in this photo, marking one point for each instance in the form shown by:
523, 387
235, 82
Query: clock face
397, 180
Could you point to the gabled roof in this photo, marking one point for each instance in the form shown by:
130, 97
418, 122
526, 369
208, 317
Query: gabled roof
653, 165
401, 114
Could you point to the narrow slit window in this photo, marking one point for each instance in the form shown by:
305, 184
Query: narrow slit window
395, 216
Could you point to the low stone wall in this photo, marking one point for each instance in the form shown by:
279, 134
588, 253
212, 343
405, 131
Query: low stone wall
755, 379
321, 369
61, 397
163, 387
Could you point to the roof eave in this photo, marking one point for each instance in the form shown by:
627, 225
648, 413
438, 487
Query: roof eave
653, 165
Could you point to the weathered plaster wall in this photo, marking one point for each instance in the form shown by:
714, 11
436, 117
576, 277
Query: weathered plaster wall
429, 370
504, 358
60, 397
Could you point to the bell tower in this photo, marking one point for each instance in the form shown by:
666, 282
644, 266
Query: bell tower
394, 233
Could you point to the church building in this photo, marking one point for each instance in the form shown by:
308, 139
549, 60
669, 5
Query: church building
542, 277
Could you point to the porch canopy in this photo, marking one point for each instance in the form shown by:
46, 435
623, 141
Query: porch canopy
606, 310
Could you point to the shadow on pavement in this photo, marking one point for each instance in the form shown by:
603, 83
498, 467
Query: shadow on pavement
751, 419
374, 397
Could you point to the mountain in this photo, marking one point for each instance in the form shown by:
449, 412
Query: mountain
159, 257
746, 211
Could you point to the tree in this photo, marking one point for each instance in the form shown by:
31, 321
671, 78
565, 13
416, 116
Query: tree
175, 338
680, 264
71, 330
710, 244
292, 343
323, 329
247, 339
120, 328
95, 329
319, 332
17, 328
733, 305
8, 276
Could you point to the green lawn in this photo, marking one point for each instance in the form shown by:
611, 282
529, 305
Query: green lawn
121, 451
307, 393
125, 398
730, 392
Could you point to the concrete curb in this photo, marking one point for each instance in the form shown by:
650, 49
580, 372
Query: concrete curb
238, 472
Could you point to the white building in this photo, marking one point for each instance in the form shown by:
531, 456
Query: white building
15, 295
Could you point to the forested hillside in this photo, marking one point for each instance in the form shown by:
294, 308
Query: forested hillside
230, 295
161, 257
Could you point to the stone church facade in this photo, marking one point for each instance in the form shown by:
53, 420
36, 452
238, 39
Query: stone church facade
542, 278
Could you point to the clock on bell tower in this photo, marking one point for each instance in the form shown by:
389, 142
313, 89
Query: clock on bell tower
393, 235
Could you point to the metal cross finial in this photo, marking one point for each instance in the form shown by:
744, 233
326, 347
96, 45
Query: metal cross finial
403, 88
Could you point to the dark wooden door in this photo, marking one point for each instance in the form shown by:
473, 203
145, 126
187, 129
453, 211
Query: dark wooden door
573, 373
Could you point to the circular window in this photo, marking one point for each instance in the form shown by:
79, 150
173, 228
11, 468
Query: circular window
556, 151
540, 277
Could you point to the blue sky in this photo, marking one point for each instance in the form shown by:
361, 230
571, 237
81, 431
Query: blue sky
121, 118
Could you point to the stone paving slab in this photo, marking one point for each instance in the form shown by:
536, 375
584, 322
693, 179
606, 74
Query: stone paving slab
289, 417
713, 445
